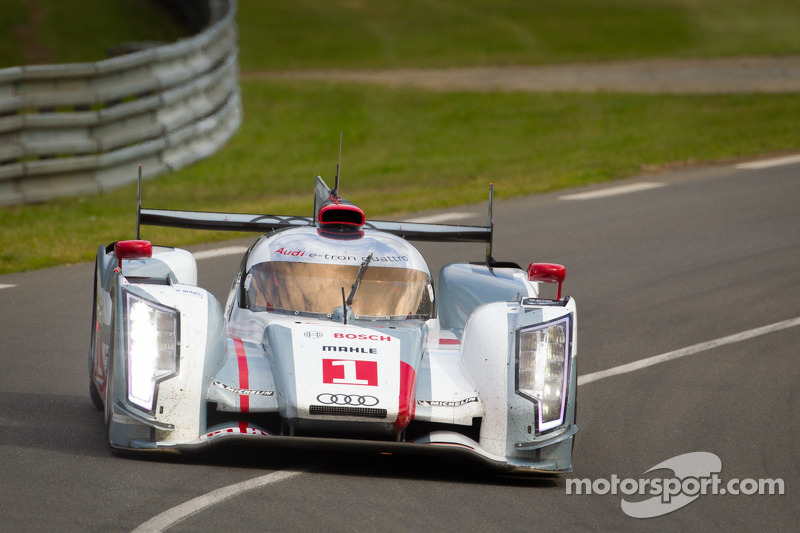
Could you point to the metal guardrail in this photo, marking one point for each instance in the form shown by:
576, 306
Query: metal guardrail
73, 129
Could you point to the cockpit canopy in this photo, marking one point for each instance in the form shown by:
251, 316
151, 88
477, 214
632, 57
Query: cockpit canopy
300, 271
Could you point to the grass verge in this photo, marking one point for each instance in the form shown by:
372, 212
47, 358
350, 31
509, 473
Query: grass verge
55, 31
407, 149
314, 34
352, 34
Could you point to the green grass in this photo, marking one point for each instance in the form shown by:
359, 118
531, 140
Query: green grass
278, 35
408, 149
411, 149
58, 31
439, 33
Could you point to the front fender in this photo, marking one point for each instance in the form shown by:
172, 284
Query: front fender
177, 413
510, 427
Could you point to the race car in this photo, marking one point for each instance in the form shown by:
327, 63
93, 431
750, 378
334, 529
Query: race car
334, 333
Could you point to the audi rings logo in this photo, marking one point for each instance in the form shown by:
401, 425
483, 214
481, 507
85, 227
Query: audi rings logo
347, 399
313, 334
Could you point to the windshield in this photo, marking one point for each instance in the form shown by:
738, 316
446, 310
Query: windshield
317, 288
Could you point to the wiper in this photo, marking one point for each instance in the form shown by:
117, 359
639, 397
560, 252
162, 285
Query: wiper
360, 275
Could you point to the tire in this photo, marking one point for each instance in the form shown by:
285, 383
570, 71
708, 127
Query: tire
95, 396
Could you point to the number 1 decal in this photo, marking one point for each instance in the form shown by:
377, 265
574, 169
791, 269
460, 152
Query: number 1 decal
350, 372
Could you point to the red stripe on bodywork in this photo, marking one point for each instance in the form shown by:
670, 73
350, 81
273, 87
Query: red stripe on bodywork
407, 407
244, 377
449, 341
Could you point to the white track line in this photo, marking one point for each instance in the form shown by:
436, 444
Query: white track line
220, 252
683, 352
613, 191
6, 286
767, 163
177, 514
444, 217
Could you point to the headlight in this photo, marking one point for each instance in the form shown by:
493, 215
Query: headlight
153, 354
543, 369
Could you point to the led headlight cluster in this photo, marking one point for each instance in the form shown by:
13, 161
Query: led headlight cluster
153, 354
543, 369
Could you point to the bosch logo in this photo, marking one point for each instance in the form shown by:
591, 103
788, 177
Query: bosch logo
347, 399
313, 334
362, 337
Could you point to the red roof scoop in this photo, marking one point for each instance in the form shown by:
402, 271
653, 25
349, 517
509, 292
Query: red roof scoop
341, 213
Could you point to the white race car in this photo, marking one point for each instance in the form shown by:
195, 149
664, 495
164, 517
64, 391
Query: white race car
333, 333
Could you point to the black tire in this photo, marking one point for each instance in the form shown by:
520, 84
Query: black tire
95, 396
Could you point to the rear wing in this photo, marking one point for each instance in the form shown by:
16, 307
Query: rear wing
412, 231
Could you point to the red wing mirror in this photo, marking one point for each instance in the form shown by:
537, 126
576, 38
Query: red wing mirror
132, 250
548, 273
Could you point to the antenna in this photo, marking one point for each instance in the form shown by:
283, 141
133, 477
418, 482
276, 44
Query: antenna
489, 259
139, 201
335, 191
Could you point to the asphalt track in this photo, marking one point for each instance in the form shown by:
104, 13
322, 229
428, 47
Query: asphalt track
677, 268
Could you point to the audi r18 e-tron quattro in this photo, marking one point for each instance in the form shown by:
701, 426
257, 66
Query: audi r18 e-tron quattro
334, 332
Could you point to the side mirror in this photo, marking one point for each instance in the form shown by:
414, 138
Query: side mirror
548, 273
132, 250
